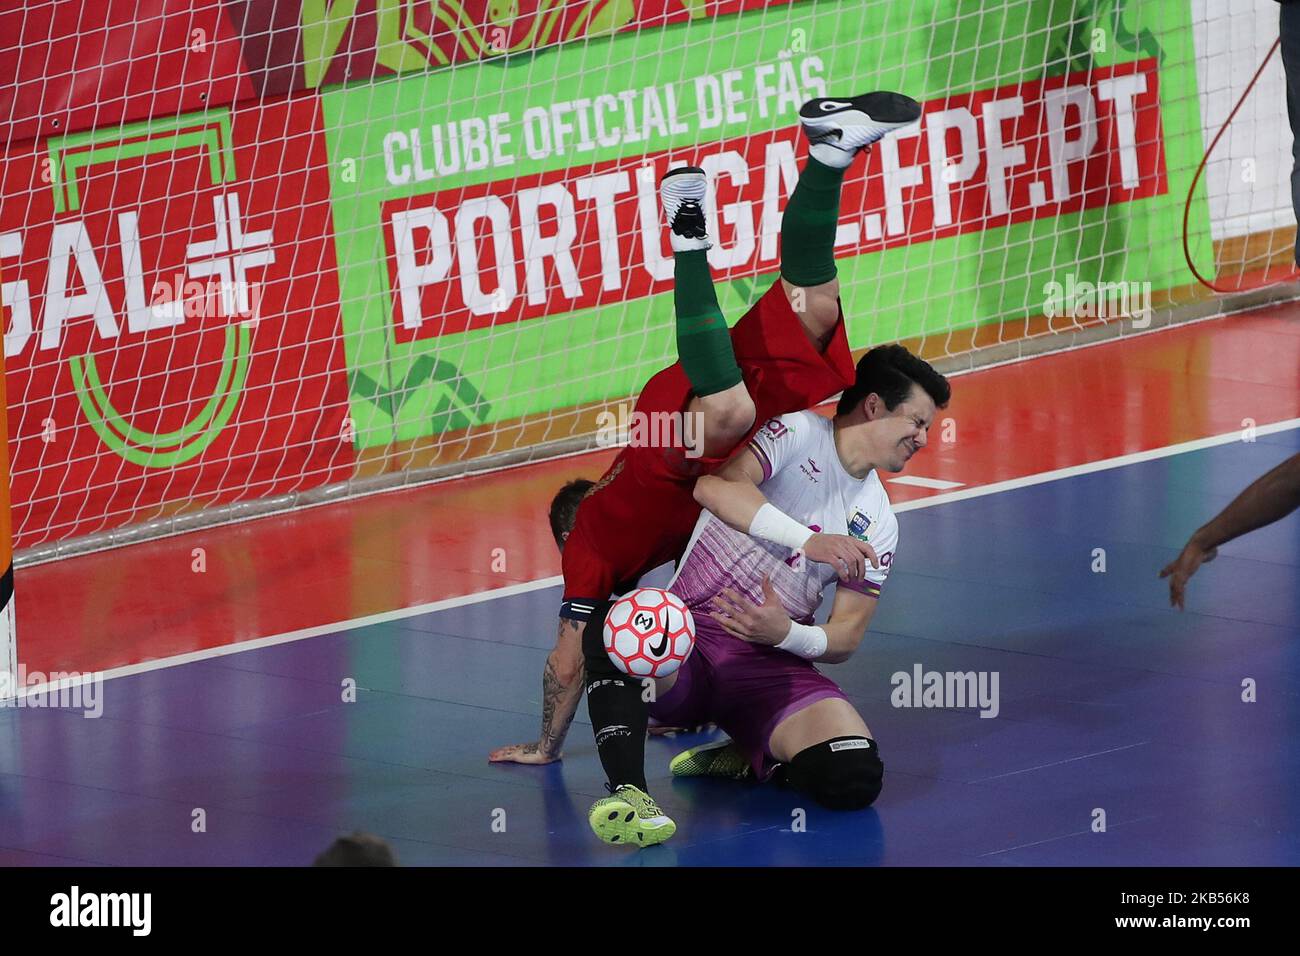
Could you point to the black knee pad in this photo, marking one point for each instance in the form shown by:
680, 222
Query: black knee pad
841, 774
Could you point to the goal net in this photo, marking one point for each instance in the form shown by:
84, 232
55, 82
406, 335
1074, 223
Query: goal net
261, 254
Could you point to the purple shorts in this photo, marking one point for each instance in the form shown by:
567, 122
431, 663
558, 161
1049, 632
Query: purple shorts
746, 689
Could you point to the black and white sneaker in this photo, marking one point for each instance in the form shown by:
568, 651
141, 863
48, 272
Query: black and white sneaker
838, 128
682, 192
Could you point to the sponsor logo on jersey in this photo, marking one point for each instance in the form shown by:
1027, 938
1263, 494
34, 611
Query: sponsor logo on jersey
859, 525
811, 473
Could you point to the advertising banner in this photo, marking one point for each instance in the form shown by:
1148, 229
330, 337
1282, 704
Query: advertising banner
500, 252
212, 293
171, 317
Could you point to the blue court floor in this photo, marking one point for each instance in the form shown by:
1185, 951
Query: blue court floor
1109, 700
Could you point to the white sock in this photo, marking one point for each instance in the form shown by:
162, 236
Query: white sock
832, 156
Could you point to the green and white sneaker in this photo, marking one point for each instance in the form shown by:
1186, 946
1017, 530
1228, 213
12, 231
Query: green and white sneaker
722, 759
630, 815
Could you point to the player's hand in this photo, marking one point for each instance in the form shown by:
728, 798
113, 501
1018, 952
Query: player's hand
766, 623
848, 556
522, 753
1183, 567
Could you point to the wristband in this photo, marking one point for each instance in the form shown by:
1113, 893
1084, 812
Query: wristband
773, 524
804, 640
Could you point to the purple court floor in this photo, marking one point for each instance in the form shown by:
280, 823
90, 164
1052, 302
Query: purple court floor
1108, 701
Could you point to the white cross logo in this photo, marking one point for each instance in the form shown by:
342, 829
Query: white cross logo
228, 256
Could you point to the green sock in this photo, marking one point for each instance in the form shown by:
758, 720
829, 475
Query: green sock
703, 341
808, 226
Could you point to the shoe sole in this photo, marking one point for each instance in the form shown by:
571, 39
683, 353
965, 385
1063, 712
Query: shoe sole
686, 182
618, 825
678, 765
681, 171
892, 109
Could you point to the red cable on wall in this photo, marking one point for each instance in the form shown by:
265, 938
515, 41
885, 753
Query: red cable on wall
1187, 207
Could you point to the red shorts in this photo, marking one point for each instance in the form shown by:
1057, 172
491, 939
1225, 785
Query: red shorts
642, 512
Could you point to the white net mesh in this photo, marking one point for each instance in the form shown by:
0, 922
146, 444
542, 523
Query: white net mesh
256, 252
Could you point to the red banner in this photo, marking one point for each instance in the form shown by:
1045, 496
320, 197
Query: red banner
84, 64
170, 318
79, 65
590, 235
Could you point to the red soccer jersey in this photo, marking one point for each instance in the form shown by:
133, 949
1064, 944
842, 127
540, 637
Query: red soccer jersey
642, 512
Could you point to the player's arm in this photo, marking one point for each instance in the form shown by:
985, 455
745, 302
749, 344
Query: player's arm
769, 624
561, 692
851, 614
732, 493
1270, 498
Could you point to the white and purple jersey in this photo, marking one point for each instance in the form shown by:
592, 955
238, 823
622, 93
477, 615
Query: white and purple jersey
802, 476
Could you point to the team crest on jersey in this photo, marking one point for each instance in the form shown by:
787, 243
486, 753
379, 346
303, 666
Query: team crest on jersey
859, 525
776, 428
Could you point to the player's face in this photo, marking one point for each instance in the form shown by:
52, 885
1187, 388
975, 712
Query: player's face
905, 431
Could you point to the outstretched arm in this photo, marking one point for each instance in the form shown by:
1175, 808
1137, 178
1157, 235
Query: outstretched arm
1269, 499
561, 691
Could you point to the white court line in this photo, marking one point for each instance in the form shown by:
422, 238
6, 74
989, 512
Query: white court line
320, 630
1103, 465
526, 586
919, 482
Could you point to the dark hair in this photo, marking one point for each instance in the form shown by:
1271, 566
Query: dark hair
890, 371
359, 849
564, 507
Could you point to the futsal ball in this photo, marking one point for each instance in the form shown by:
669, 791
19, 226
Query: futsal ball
649, 633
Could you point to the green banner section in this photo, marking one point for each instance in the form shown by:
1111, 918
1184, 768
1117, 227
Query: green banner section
930, 50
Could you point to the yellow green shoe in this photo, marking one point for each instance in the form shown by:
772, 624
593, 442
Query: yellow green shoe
630, 815
723, 759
